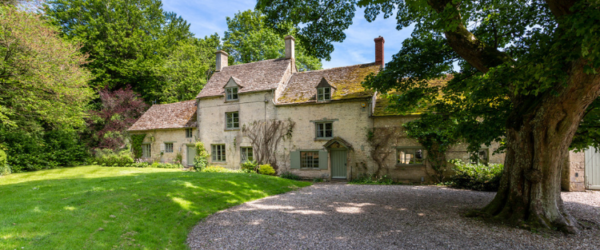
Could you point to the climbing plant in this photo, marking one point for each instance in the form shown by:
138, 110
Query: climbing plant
136, 144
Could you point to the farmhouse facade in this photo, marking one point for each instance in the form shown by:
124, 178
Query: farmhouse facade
324, 122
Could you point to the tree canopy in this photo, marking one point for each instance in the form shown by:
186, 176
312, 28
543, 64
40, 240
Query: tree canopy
249, 39
523, 72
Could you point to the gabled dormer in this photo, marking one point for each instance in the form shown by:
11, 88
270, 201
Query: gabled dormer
324, 90
232, 88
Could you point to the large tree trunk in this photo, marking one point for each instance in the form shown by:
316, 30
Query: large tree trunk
539, 133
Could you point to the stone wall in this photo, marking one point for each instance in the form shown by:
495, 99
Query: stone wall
175, 136
573, 174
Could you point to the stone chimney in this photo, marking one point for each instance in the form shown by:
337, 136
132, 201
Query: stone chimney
290, 47
221, 59
379, 51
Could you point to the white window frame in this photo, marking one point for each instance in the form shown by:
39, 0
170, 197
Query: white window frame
409, 156
244, 156
218, 153
322, 126
309, 159
146, 150
235, 120
324, 94
231, 94
169, 147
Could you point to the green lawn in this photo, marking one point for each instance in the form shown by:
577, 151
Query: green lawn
119, 208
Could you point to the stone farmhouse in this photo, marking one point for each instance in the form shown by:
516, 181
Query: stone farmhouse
329, 126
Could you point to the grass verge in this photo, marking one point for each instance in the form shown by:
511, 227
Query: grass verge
96, 207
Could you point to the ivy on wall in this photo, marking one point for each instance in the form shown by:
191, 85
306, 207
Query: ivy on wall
136, 144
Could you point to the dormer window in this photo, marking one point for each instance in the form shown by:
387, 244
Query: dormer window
323, 94
232, 93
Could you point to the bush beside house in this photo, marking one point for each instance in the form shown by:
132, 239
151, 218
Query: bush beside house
4, 168
478, 177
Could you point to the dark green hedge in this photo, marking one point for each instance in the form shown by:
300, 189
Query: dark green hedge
42, 150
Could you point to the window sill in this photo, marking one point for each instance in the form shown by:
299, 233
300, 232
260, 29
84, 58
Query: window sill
311, 169
410, 165
236, 100
232, 129
323, 138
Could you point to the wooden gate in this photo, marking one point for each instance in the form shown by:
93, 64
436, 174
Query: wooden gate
592, 168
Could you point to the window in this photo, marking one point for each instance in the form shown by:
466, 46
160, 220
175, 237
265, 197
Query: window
218, 153
246, 154
168, 147
146, 151
480, 157
323, 94
233, 120
188, 133
410, 156
232, 94
309, 159
324, 130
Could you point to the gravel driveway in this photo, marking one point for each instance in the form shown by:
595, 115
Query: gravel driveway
340, 216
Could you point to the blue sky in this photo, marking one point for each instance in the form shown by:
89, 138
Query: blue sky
208, 17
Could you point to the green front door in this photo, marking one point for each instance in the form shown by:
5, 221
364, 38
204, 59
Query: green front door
191, 153
338, 163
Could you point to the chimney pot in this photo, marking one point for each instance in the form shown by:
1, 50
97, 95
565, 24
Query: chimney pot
290, 47
379, 51
222, 57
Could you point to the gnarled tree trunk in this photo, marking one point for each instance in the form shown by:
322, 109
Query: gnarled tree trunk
538, 142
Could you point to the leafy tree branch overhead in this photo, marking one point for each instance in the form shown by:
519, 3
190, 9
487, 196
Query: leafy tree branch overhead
527, 75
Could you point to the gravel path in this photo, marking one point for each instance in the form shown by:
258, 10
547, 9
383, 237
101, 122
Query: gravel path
339, 216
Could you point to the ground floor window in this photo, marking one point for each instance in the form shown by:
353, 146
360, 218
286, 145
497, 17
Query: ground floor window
168, 147
481, 157
410, 156
246, 154
146, 151
309, 159
188, 133
218, 152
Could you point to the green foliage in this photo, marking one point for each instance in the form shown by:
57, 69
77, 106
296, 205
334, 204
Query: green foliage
217, 169
42, 150
42, 82
266, 169
136, 145
249, 166
201, 158
374, 180
4, 167
128, 41
289, 175
103, 201
164, 165
106, 157
248, 39
477, 176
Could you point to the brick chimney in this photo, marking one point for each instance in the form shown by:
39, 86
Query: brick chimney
379, 51
221, 59
290, 47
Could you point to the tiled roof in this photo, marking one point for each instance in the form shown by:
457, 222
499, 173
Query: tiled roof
302, 87
382, 101
166, 116
256, 76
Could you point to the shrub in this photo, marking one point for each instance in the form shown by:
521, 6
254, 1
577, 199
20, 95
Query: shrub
4, 168
249, 166
140, 164
217, 169
201, 159
374, 180
289, 175
107, 157
266, 169
477, 176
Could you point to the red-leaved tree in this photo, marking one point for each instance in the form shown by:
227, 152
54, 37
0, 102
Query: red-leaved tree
119, 110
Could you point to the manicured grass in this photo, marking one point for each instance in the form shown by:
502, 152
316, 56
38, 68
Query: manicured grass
96, 207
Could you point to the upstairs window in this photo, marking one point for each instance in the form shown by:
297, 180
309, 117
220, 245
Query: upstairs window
232, 93
410, 156
324, 94
188, 133
232, 120
324, 130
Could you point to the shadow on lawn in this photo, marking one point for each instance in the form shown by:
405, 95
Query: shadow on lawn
138, 210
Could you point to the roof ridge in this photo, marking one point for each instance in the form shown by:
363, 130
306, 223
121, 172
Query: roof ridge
362, 64
266, 60
158, 104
